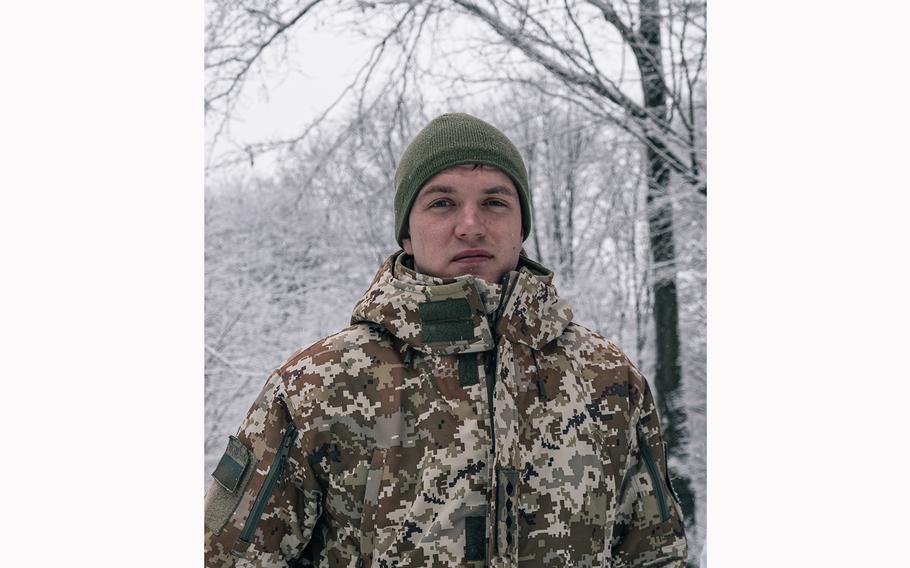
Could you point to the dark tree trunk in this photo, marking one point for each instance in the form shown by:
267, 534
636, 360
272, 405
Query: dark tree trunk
660, 224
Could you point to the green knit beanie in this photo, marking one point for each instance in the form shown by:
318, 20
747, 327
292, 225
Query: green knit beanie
451, 140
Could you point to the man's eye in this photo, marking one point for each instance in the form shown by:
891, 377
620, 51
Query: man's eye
440, 203
497, 203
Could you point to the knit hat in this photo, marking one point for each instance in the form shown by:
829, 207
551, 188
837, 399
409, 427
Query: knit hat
451, 140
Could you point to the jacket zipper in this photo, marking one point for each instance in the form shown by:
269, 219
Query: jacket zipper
281, 456
489, 371
491, 382
645, 451
508, 283
490, 367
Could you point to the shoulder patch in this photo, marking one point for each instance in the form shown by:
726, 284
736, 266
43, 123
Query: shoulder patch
232, 465
232, 475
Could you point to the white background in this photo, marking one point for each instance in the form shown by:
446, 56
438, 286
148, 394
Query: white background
101, 138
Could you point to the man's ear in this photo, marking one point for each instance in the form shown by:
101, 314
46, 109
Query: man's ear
406, 243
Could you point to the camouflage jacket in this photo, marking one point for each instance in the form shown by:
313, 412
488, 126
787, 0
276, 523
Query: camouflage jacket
378, 445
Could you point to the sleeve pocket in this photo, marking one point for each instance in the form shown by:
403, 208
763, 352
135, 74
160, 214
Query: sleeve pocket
231, 477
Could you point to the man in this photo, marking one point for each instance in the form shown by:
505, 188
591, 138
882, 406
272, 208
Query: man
462, 419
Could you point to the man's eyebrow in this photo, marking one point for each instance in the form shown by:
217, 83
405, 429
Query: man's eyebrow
437, 189
446, 189
500, 189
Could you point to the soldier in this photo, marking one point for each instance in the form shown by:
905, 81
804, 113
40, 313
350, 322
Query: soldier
462, 419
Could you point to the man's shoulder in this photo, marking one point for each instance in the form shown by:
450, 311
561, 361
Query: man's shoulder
344, 353
589, 346
601, 361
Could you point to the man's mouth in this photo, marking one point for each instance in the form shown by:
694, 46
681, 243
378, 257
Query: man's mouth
472, 255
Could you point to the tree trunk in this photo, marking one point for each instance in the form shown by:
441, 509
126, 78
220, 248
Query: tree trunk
668, 373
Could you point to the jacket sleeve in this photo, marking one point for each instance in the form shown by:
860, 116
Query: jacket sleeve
649, 529
264, 500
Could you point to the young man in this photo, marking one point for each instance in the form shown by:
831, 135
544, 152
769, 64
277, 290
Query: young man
462, 419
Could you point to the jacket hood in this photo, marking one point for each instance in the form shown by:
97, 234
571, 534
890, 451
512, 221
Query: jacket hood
448, 315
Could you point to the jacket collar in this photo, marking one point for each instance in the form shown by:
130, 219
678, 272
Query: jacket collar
448, 315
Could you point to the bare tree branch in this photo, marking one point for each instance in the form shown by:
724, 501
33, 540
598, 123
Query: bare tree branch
247, 63
658, 126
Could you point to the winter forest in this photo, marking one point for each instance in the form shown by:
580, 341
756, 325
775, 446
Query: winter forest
604, 98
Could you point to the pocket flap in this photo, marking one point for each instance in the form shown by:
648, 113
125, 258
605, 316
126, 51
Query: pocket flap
233, 463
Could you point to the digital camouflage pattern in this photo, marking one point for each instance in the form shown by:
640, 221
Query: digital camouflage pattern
393, 460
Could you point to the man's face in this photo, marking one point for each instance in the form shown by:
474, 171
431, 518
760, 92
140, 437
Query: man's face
465, 220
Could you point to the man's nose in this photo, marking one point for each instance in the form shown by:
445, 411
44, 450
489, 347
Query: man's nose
470, 223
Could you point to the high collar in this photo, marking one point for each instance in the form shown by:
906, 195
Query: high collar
403, 269
449, 315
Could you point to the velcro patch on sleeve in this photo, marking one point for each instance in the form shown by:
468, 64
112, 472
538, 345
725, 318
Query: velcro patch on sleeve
232, 475
232, 465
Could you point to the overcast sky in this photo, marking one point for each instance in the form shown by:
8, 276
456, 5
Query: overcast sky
321, 64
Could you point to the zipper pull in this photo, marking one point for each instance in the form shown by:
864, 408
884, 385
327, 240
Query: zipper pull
284, 405
541, 391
